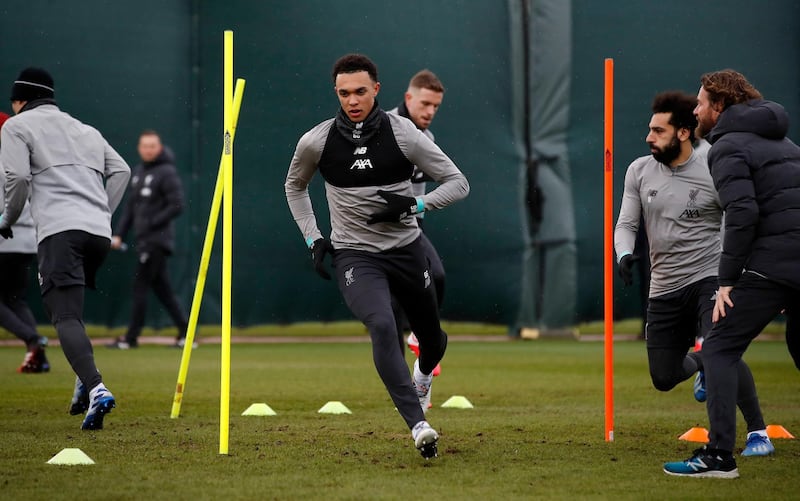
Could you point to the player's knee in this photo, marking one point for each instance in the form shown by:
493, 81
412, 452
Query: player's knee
662, 382
383, 327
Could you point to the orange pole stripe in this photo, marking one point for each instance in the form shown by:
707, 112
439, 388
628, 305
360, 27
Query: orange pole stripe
608, 244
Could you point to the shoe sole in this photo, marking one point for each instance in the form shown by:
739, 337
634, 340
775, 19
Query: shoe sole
427, 444
95, 420
757, 454
707, 474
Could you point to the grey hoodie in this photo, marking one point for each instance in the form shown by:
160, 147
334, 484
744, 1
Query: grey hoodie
62, 165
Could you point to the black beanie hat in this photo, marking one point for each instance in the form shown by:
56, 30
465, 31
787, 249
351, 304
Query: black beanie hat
32, 83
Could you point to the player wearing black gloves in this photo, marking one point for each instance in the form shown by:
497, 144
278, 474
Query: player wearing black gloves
366, 158
625, 268
672, 188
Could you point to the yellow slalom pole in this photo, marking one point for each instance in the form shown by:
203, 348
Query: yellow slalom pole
227, 246
199, 287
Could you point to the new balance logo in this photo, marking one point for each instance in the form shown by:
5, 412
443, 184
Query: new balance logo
696, 464
361, 164
361, 150
690, 213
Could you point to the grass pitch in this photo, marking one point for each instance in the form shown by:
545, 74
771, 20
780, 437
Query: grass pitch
536, 431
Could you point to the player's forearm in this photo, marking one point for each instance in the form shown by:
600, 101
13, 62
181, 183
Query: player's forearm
303, 212
453, 188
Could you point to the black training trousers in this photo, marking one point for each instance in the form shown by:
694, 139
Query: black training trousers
15, 315
436, 269
68, 263
152, 273
368, 281
673, 322
756, 301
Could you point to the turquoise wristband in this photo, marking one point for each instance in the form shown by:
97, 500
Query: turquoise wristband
420, 205
309, 242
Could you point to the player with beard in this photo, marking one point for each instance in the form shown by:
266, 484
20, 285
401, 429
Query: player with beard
756, 171
673, 191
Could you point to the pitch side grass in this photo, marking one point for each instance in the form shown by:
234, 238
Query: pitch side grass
536, 431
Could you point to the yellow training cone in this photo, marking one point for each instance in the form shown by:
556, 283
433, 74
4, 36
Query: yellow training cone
778, 431
458, 402
334, 407
260, 409
696, 434
71, 457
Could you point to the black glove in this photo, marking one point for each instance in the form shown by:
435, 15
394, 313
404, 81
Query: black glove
319, 248
6, 232
625, 266
397, 208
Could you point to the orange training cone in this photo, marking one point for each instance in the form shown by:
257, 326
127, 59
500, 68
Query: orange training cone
778, 431
695, 434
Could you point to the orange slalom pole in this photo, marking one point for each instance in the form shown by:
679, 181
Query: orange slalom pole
608, 243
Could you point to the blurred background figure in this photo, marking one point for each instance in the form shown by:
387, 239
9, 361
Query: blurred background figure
155, 199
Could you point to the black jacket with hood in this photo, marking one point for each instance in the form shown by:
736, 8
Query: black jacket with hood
155, 199
756, 170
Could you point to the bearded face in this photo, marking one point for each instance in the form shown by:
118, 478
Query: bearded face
705, 113
668, 152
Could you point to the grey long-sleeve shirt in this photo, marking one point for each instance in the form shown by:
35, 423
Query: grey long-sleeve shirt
351, 207
24, 241
74, 178
682, 216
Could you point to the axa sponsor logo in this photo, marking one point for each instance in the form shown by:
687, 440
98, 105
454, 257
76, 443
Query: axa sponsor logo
361, 164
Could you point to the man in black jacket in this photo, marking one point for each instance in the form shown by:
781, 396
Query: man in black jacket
756, 170
155, 199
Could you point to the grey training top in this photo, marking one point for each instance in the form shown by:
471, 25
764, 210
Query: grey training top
351, 207
682, 216
62, 163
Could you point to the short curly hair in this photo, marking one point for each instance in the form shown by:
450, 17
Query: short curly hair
681, 106
728, 87
353, 63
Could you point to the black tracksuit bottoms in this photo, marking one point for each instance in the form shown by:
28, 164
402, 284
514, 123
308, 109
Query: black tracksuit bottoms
152, 272
15, 314
756, 302
436, 269
673, 322
368, 281
68, 263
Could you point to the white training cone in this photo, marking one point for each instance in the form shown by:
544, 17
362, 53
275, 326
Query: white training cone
457, 402
71, 456
334, 408
260, 409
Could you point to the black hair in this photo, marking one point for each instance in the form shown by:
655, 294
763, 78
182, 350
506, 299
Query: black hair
681, 107
353, 63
